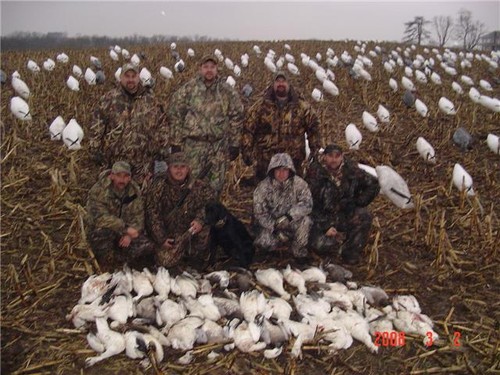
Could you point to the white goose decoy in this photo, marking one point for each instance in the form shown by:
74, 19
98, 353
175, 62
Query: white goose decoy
493, 143
446, 106
90, 77
33, 66
228, 63
474, 95
353, 137
230, 81
467, 80
314, 274
273, 279
135, 59
317, 95
125, 54
161, 284
179, 66
294, 278
56, 128
370, 122
394, 187
77, 71
320, 75
270, 65
420, 76
408, 72
421, 108
330, 87
118, 74
72, 135
485, 85
190, 52
393, 85
146, 78
292, 68
20, 109
49, 65
166, 73
383, 114
16, 75
62, 58
114, 56
407, 84
169, 313
368, 169
462, 180
73, 84
490, 103
237, 71
113, 342
388, 67
436, 78
457, 88
21, 88
425, 150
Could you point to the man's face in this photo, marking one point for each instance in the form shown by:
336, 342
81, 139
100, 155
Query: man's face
333, 160
281, 174
208, 71
281, 87
178, 172
120, 180
130, 81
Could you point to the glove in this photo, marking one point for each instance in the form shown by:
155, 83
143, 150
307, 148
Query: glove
283, 222
175, 148
233, 152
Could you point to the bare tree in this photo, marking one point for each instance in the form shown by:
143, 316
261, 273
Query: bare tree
468, 30
415, 30
443, 27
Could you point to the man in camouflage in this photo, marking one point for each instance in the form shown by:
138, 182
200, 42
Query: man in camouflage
341, 191
205, 122
282, 203
278, 122
175, 212
115, 218
131, 126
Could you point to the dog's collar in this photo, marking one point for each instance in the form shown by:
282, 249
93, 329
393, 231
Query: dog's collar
219, 224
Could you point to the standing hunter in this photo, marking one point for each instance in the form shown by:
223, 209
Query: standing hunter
205, 122
131, 126
278, 122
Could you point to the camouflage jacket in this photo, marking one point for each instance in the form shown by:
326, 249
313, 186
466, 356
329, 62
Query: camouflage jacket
132, 128
163, 195
205, 113
273, 199
331, 202
270, 129
108, 209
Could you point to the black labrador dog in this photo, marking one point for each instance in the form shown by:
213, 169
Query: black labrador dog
229, 233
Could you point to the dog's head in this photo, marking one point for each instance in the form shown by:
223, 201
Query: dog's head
215, 213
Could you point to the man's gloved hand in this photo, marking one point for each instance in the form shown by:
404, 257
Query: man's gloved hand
283, 222
233, 152
175, 148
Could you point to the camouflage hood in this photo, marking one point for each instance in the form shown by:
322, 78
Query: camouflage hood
281, 160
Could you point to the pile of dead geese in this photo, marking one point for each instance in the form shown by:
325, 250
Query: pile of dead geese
141, 313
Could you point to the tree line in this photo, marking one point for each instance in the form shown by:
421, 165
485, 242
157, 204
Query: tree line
22, 41
463, 29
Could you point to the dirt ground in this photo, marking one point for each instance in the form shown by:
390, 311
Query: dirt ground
444, 251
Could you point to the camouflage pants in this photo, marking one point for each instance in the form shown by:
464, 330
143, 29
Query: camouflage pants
109, 255
356, 230
199, 153
298, 234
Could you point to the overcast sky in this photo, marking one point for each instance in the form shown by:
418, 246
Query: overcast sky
330, 20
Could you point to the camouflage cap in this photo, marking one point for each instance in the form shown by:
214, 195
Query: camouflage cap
206, 58
128, 66
121, 167
281, 74
178, 158
333, 148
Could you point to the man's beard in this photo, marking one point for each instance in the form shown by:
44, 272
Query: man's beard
281, 92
